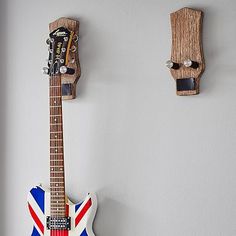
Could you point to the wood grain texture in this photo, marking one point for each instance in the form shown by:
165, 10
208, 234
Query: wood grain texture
72, 25
186, 27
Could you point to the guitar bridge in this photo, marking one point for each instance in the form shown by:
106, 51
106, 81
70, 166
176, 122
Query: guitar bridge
58, 223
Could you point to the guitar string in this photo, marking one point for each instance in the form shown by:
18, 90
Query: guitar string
58, 158
53, 93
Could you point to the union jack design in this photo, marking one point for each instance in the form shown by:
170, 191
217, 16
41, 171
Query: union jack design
82, 214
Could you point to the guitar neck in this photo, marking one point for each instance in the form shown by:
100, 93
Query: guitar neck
57, 175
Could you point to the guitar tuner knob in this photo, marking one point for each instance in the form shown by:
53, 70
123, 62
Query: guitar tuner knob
172, 65
189, 63
45, 70
65, 39
63, 69
48, 41
73, 48
75, 38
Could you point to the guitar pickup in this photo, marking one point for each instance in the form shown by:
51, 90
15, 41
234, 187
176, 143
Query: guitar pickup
58, 223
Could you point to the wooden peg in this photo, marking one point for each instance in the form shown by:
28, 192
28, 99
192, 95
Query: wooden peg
187, 50
69, 81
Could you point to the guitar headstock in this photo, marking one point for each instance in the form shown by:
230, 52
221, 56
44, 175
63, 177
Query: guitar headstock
63, 57
59, 43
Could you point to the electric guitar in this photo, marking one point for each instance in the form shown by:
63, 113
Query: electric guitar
52, 212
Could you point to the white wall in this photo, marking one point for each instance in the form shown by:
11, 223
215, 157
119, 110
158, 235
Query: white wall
160, 164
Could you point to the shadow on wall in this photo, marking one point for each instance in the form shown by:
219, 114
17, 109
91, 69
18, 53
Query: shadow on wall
113, 213
3, 45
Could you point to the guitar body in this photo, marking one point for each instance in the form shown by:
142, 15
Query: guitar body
82, 214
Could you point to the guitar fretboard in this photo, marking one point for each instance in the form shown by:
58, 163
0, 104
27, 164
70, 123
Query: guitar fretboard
57, 176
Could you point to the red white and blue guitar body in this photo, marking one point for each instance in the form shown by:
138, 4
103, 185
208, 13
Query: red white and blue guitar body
82, 214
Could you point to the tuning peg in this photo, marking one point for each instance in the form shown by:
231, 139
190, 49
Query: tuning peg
45, 70
63, 69
73, 48
49, 61
190, 63
48, 41
172, 65
75, 38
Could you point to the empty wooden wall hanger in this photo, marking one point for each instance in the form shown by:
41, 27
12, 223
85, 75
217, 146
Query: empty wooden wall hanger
187, 61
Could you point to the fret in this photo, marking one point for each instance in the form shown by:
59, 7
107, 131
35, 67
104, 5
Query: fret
56, 115
56, 106
57, 166
55, 90
59, 174
55, 96
61, 201
57, 148
58, 213
55, 194
57, 187
53, 185
57, 177
56, 123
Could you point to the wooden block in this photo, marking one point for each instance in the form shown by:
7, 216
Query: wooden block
69, 81
186, 25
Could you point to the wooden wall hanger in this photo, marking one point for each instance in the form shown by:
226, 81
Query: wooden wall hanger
72, 71
187, 60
